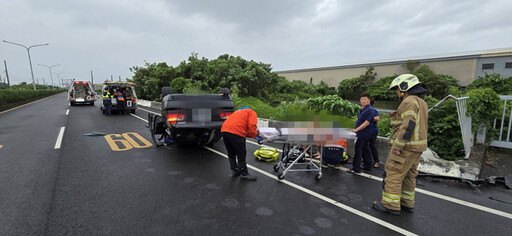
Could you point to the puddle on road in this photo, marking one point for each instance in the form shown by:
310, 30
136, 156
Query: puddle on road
231, 203
212, 186
323, 222
263, 211
307, 230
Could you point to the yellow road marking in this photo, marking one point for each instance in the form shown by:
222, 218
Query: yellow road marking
113, 143
125, 142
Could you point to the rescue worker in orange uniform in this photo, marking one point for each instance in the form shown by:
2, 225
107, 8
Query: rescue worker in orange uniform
408, 141
242, 123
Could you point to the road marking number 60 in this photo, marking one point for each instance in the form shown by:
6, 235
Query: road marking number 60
126, 142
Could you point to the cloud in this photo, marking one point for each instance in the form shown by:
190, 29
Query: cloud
109, 37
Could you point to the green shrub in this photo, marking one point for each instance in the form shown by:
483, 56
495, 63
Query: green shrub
444, 135
333, 104
384, 125
495, 82
8, 97
483, 107
261, 108
380, 89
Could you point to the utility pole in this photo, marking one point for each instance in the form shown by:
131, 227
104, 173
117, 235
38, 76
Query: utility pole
92, 79
119, 78
7, 74
112, 78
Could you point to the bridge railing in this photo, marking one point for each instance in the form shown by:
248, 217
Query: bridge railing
504, 139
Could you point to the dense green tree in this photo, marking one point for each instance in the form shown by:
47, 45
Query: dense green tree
500, 85
437, 84
353, 88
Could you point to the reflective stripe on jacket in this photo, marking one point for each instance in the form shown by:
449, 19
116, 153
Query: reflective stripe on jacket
410, 125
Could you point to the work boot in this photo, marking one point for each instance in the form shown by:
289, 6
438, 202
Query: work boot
379, 207
235, 173
245, 175
407, 209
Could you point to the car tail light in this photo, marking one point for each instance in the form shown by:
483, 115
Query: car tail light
133, 99
77, 82
84, 82
225, 115
173, 118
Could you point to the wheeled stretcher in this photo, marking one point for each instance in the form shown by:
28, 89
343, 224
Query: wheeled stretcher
299, 141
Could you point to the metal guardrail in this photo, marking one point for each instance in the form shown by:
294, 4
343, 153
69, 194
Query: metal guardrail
464, 122
504, 130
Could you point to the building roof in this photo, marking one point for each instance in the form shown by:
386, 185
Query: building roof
431, 58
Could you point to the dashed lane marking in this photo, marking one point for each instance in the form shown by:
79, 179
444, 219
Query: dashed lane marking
148, 111
426, 192
67, 112
326, 199
138, 117
59, 138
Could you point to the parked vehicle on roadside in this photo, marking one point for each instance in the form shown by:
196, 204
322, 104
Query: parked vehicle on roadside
81, 92
190, 119
127, 89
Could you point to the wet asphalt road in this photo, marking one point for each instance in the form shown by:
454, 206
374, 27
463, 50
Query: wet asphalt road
87, 188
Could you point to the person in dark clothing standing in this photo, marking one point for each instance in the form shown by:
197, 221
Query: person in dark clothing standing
364, 134
120, 102
240, 124
107, 103
373, 140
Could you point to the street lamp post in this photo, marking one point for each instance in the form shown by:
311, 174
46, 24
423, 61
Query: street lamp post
58, 76
29, 60
50, 67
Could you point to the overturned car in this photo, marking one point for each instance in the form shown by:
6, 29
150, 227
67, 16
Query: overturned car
190, 119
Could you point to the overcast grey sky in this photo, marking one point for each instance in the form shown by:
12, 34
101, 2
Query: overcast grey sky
110, 36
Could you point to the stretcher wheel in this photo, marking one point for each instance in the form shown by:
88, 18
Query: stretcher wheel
280, 176
276, 167
318, 177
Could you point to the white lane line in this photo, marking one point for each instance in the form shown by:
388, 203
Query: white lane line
59, 138
429, 193
138, 117
426, 192
324, 198
67, 112
464, 203
148, 111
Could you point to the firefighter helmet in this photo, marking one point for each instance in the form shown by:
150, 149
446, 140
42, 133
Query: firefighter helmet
405, 82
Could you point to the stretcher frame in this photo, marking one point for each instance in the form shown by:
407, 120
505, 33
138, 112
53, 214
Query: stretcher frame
295, 165
296, 137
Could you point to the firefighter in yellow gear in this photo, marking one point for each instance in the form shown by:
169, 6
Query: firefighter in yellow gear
408, 141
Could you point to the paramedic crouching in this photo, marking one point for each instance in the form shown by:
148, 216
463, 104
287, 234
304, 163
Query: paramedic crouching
242, 123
